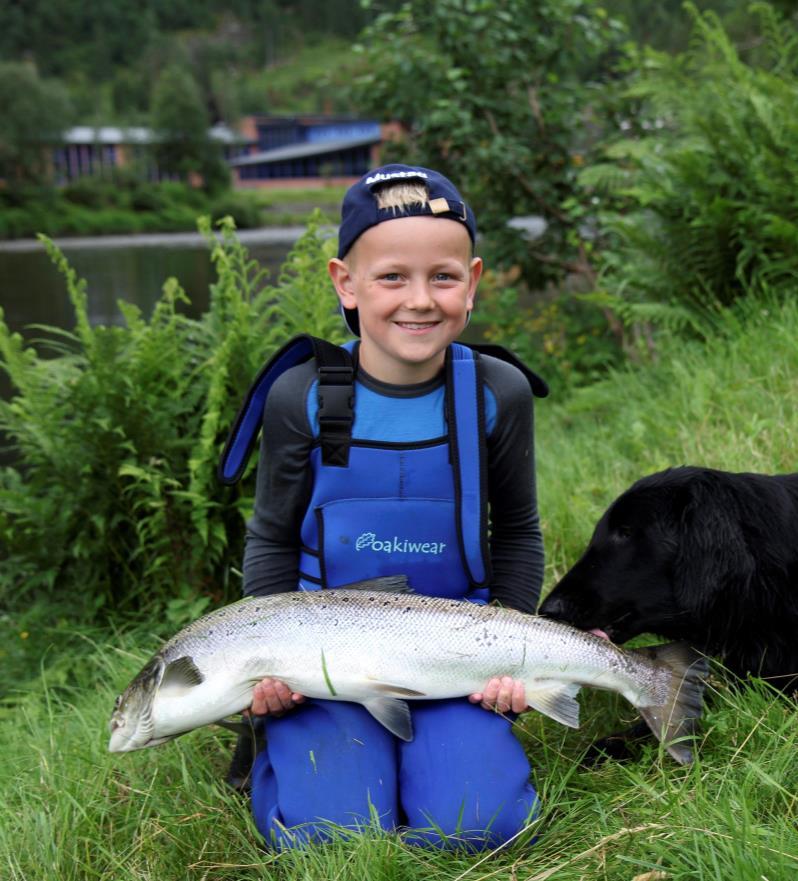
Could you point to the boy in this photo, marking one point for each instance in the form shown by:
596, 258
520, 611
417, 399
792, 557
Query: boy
406, 279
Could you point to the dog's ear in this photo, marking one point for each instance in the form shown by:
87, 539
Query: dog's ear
713, 557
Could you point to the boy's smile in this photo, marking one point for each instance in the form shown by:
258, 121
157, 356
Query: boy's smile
413, 282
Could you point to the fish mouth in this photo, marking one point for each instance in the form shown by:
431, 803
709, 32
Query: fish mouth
121, 744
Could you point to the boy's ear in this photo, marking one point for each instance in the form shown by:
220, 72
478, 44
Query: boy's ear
343, 281
475, 275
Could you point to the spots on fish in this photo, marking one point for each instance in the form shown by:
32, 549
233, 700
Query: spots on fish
486, 639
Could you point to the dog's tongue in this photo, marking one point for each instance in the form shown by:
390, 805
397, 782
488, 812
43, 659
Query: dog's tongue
596, 632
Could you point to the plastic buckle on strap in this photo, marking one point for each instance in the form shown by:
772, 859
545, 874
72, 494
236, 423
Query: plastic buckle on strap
335, 402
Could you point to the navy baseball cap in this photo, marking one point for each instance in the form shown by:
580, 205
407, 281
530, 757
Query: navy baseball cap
359, 210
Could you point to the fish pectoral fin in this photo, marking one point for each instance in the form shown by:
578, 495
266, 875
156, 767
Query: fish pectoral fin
389, 690
234, 725
555, 700
181, 675
394, 714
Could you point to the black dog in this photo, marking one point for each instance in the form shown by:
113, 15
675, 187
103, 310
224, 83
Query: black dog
695, 554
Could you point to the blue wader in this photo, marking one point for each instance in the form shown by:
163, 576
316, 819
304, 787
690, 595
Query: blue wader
381, 509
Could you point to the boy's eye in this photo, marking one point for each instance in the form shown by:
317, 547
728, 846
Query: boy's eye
390, 276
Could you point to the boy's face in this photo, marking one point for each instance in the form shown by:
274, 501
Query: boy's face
413, 282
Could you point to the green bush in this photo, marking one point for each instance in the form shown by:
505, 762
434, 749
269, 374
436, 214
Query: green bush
556, 332
244, 210
92, 192
113, 497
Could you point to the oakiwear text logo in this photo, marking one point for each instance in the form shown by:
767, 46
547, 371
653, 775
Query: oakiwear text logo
368, 541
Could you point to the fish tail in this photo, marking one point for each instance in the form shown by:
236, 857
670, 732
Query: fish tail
674, 721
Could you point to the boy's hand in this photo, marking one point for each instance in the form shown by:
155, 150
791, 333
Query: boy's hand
272, 697
502, 695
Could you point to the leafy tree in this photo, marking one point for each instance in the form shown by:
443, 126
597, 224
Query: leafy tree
497, 94
180, 123
35, 113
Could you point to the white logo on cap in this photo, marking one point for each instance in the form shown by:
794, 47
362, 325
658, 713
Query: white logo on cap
391, 175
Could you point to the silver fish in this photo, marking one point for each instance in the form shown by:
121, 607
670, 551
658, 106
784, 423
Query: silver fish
378, 644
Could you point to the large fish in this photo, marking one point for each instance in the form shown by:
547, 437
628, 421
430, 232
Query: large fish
378, 644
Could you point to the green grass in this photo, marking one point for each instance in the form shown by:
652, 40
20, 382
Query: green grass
72, 811
290, 206
328, 196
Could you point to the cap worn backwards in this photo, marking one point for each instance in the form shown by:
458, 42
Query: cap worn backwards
360, 211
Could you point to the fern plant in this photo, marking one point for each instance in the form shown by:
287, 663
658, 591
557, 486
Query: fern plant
113, 494
701, 207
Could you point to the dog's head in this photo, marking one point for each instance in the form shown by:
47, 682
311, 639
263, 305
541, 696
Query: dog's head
658, 559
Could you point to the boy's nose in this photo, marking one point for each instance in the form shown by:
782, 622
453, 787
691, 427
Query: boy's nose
419, 296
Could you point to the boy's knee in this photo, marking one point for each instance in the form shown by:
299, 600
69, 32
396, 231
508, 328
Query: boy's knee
510, 823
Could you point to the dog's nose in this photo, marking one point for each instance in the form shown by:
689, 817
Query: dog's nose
554, 607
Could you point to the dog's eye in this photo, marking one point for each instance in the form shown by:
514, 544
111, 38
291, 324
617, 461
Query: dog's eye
623, 531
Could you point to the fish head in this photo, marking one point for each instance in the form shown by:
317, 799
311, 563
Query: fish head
132, 725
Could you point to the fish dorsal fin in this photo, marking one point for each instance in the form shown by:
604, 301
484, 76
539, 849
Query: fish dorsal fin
181, 675
386, 584
393, 714
555, 700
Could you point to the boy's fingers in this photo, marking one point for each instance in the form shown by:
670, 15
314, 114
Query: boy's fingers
518, 703
271, 696
504, 698
502, 695
491, 693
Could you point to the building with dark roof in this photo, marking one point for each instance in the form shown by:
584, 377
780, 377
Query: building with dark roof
308, 150
89, 150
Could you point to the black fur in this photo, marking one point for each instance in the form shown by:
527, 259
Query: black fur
694, 554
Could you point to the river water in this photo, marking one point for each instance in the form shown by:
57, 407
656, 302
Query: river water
131, 268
